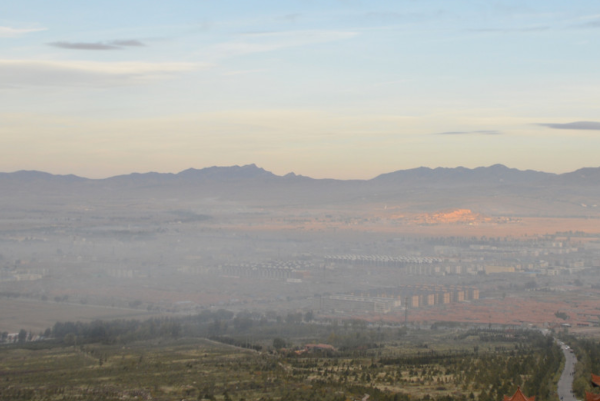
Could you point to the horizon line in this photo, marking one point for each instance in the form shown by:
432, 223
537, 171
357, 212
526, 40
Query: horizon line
290, 173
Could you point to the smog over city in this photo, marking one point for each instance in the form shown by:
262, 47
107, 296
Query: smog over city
337, 200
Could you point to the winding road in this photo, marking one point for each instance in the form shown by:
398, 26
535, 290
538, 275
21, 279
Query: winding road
565, 384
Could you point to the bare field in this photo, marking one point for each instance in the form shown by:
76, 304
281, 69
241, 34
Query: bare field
525, 226
582, 308
32, 315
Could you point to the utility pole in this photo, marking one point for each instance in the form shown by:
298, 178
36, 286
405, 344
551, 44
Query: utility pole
406, 312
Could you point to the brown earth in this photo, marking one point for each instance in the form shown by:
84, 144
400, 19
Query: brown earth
499, 227
539, 309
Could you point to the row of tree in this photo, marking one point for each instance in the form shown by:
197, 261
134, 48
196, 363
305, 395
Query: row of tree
588, 362
21, 337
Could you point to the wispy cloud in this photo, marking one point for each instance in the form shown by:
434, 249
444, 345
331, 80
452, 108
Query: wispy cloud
128, 43
590, 24
83, 46
113, 45
531, 29
260, 42
393, 17
8, 32
577, 125
485, 132
243, 72
23, 73
291, 17
587, 21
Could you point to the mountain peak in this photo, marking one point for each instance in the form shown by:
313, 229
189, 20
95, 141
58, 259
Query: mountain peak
227, 173
497, 173
35, 175
498, 167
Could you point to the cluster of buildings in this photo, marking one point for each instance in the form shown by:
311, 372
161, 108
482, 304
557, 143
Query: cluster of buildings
430, 295
379, 260
356, 304
290, 270
393, 299
540, 256
22, 274
122, 273
437, 269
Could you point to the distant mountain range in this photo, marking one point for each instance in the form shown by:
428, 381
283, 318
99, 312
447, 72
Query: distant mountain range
497, 173
494, 190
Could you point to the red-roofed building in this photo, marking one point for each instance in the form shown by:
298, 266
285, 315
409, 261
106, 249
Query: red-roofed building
518, 396
319, 347
595, 380
592, 397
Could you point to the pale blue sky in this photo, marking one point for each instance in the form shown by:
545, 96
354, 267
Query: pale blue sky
344, 89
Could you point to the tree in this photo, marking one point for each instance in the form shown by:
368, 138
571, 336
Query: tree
561, 315
22, 335
242, 322
293, 318
224, 314
278, 343
70, 339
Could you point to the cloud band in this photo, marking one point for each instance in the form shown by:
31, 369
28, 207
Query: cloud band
577, 125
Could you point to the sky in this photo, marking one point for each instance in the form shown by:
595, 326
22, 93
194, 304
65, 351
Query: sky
330, 88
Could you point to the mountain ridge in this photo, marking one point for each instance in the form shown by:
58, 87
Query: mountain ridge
252, 171
495, 190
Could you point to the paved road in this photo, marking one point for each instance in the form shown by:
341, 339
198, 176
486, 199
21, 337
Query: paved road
565, 384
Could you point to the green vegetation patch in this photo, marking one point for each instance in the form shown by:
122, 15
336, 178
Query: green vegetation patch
196, 369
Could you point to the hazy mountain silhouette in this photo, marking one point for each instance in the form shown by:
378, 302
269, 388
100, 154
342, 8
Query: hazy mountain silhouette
496, 189
496, 174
